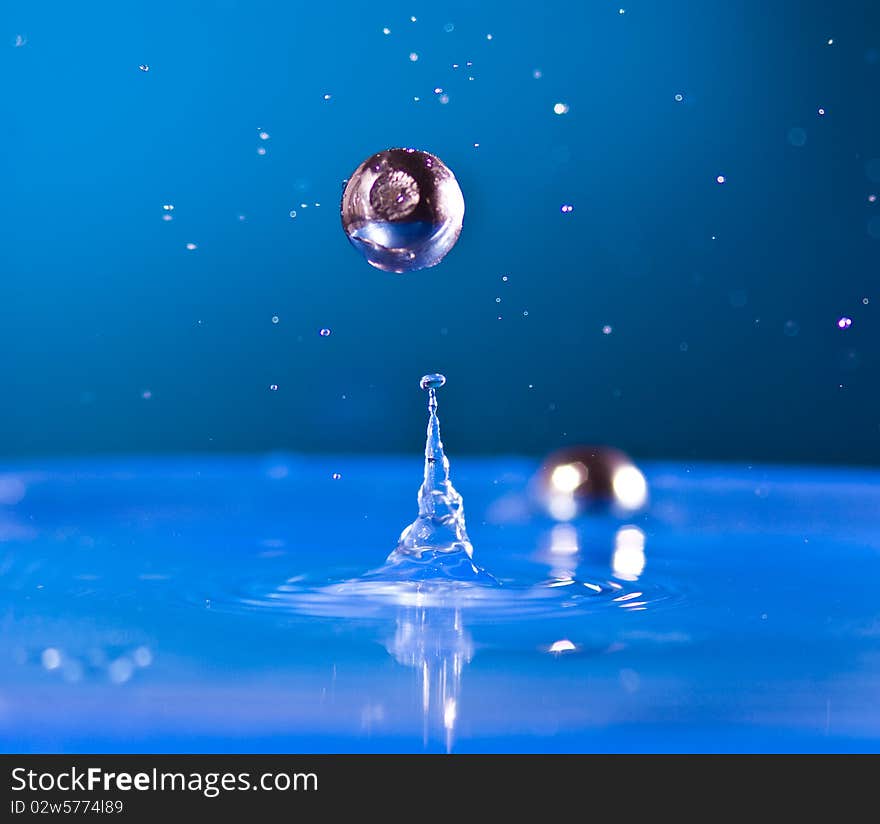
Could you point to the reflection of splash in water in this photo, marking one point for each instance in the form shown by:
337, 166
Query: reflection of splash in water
435, 643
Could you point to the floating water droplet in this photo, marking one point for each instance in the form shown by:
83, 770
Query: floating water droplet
679, 98
292, 213
51, 658
168, 207
607, 330
566, 208
336, 476
146, 394
721, 179
821, 112
386, 31
191, 247
844, 322
560, 108
537, 74
402, 209
273, 387
413, 56
143, 66
327, 96
261, 151
449, 28
264, 135
275, 318
433, 381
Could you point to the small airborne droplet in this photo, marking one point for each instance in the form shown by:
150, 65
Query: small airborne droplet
191, 247
679, 98
560, 108
144, 67
275, 318
432, 381
264, 135
566, 208
325, 333
607, 330
386, 31
168, 207
273, 387
844, 322
336, 476
721, 179
413, 56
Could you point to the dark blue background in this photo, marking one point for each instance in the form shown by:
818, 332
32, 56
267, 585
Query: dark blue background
100, 301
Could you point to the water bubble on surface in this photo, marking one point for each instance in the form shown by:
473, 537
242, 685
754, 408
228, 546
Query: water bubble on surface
402, 209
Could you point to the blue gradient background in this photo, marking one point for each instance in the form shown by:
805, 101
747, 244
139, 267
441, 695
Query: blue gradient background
100, 301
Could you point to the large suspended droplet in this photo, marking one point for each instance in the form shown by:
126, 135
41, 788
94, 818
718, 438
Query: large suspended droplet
402, 209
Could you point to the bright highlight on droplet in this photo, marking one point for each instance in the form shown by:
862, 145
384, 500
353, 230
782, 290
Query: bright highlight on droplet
568, 477
630, 487
560, 108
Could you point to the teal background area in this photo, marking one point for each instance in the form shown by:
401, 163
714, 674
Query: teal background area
723, 349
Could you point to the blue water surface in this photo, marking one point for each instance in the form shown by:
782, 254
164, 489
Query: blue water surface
189, 605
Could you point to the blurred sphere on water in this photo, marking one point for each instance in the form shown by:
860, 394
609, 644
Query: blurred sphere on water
579, 479
402, 209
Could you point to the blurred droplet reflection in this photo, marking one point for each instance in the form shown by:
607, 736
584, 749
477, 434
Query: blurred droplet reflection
628, 560
579, 479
